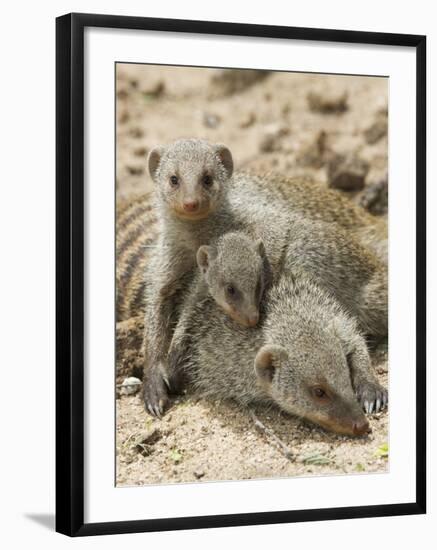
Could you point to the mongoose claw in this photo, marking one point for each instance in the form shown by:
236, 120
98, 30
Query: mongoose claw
372, 397
151, 410
155, 393
167, 381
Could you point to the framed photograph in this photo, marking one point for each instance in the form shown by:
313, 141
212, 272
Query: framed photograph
240, 274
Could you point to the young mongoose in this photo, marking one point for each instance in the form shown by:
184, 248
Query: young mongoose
198, 201
235, 272
191, 178
306, 356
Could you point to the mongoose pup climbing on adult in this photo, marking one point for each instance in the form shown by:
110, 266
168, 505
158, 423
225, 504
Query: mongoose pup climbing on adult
234, 271
199, 200
306, 356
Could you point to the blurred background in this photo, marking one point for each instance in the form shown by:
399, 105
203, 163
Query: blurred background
332, 128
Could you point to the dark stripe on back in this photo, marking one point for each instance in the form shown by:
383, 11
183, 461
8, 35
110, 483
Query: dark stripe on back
127, 275
131, 237
137, 211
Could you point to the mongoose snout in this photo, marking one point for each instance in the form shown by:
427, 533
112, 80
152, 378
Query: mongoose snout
252, 319
344, 426
246, 319
361, 427
191, 206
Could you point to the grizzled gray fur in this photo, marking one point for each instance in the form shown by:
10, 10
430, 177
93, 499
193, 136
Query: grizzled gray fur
306, 356
199, 200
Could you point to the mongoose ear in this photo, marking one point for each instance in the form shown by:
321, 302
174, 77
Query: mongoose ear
153, 162
259, 247
266, 362
204, 256
225, 157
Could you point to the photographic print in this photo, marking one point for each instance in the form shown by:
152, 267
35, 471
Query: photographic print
251, 274
240, 300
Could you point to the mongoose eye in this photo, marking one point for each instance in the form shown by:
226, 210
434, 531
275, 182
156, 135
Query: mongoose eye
174, 181
207, 180
319, 392
230, 289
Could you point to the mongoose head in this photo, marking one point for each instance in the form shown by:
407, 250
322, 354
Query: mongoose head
191, 176
311, 379
233, 270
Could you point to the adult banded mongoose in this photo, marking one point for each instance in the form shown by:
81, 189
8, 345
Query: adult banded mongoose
317, 202
199, 199
136, 236
137, 230
306, 356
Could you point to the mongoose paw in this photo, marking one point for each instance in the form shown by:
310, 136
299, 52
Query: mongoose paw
372, 397
155, 393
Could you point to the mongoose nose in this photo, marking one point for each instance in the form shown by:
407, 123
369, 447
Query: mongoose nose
361, 427
191, 206
253, 319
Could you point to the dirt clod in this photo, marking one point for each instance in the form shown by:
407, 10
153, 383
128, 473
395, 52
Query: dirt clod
271, 139
375, 197
328, 103
377, 130
347, 172
230, 81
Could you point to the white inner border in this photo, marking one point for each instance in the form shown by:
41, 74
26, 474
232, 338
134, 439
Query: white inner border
105, 502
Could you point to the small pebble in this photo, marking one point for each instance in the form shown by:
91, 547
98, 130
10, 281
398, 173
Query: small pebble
130, 385
210, 120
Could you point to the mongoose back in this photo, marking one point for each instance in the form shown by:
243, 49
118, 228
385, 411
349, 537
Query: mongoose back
137, 227
306, 356
317, 202
136, 236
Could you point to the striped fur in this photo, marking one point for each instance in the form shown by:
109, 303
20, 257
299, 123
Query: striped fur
137, 230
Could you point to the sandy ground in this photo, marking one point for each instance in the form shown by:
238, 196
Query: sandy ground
289, 123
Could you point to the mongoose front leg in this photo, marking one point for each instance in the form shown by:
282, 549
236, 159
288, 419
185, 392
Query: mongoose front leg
169, 272
155, 380
371, 395
180, 343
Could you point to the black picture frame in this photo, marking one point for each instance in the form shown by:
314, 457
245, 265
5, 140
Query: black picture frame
70, 273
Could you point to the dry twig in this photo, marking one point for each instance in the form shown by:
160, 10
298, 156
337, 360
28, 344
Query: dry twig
271, 434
